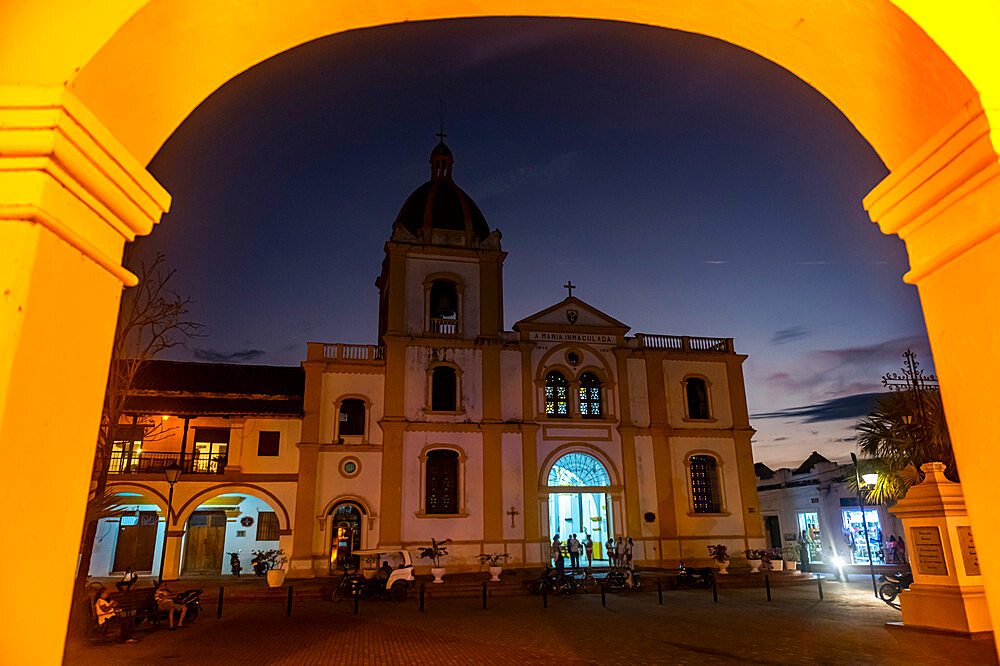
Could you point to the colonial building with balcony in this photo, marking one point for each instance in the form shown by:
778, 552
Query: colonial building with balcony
451, 427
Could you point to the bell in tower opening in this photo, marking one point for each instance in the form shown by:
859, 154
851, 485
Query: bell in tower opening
444, 300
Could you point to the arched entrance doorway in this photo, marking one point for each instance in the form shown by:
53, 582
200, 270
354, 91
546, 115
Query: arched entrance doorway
345, 536
228, 523
579, 491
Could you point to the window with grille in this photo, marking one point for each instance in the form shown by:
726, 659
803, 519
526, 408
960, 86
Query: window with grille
267, 443
442, 482
556, 395
705, 484
590, 396
697, 398
444, 385
267, 526
352, 417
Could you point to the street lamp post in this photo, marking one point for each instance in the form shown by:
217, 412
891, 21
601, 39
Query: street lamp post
864, 524
172, 473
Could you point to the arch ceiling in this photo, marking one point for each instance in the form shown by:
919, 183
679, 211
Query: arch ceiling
143, 67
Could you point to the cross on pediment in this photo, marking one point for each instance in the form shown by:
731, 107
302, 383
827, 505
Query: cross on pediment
570, 287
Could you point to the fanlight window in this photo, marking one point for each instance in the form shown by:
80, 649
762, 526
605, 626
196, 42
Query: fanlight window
705, 484
556, 395
578, 469
590, 396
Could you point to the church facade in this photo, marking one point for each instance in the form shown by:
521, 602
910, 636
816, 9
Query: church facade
451, 427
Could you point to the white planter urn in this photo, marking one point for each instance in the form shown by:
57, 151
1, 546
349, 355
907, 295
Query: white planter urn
792, 565
495, 574
275, 577
723, 567
438, 573
755, 565
776, 565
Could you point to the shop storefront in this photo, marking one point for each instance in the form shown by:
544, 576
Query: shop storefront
809, 532
857, 542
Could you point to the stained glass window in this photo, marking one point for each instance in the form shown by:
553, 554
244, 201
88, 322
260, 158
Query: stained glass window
590, 396
578, 469
556, 395
705, 484
442, 482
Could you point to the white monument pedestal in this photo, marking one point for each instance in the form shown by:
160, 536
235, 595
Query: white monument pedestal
947, 592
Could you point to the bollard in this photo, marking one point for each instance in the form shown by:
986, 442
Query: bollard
659, 591
357, 598
767, 586
218, 612
288, 610
604, 600
484, 596
421, 597
545, 596
715, 591
819, 584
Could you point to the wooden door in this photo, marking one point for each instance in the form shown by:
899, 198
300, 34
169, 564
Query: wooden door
205, 542
136, 542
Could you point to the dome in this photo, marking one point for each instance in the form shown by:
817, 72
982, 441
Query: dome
440, 204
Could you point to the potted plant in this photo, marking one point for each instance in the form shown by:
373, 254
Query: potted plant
755, 558
720, 554
774, 561
274, 561
434, 553
494, 560
792, 557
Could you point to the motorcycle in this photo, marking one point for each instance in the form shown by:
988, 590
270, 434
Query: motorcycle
553, 583
699, 577
260, 567
191, 599
890, 586
234, 564
626, 579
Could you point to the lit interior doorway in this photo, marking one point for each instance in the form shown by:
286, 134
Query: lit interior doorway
345, 537
585, 507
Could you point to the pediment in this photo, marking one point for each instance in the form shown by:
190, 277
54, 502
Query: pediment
571, 313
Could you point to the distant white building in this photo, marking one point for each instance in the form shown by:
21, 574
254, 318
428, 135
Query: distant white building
812, 501
449, 427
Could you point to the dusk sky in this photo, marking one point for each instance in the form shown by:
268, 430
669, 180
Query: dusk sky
687, 186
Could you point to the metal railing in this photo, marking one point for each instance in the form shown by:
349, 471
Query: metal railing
685, 343
154, 462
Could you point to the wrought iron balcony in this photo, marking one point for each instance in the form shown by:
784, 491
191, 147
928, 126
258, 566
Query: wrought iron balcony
154, 462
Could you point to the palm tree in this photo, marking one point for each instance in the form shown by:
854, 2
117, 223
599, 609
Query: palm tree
897, 442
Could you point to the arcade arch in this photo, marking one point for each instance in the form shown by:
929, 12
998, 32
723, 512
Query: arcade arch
581, 499
932, 120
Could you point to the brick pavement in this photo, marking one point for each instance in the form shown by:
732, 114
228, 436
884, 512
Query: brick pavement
796, 628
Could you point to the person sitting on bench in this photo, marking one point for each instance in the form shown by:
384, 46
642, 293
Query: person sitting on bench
165, 602
108, 611
128, 580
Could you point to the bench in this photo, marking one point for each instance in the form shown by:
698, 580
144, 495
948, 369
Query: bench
139, 602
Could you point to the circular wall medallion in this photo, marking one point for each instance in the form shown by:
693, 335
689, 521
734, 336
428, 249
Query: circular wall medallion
246, 521
573, 358
350, 467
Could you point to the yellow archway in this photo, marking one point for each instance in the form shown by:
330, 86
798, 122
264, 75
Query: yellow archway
87, 95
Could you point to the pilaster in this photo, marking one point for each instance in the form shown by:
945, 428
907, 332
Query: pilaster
300, 563
629, 463
70, 197
659, 430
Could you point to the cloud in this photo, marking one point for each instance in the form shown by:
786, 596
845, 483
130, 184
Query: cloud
815, 263
788, 335
846, 407
779, 439
534, 174
241, 356
714, 262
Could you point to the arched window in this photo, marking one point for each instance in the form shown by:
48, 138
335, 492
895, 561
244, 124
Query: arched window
443, 307
444, 389
705, 484
442, 482
578, 469
556, 395
352, 417
590, 396
696, 391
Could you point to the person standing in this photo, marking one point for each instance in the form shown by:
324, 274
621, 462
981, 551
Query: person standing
628, 552
573, 545
804, 552
901, 550
619, 552
610, 547
588, 547
556, 547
